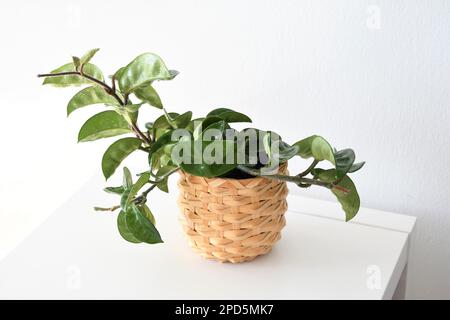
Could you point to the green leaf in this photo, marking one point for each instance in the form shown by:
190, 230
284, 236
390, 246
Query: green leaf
76, 62
229, 115
127, 179
89, 96
182, 120
73, 80
349, 201
147, 213
165, 139
161, 125
205, 124
141, 227
123, 228
142, 181
356, 166
276, 149
88, 56
322, 150
344, 160
148, 94
116, 153
103, 125
202, 168
194, 123
304, 147
162, 172
142, 70
115, 190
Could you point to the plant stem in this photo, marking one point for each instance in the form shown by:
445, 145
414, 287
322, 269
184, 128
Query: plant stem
307, 171
295, 179
110, 90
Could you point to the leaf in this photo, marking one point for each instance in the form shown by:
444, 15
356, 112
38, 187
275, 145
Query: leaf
229, 115
127, 179
182, 120
73, 80
202, 168
89, 96
142, 181
116, 153
147, 213
277, 150
304, 147
103, 125
194, 123
322, 150
161, 125
115, 190
165, 139
141, 227
123, 228
350, 202
344, 160
76, 62
88, 56
205, 124
162, 172
142, 70
148, 94
356, 166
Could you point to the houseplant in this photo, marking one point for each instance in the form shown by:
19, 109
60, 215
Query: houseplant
233, 183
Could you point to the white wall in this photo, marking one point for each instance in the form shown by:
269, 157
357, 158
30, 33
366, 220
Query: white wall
372, 75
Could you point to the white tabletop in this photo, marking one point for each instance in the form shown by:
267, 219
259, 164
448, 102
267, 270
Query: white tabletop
78, 253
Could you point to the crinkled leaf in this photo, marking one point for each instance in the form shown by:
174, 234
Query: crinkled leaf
73, 80
142, 70
103, 125
89, 96
116, 153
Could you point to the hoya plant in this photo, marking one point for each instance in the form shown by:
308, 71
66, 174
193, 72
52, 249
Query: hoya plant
207, 146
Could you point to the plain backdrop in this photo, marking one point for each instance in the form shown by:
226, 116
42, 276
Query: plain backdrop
371, 75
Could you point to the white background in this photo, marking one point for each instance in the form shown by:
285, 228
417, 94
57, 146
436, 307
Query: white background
371, 75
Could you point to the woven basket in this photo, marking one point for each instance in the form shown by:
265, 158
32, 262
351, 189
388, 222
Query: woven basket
232, 220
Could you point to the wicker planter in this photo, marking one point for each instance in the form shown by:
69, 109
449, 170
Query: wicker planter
231, 220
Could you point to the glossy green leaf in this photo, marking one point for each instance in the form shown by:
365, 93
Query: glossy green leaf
304, 147
322, 150
149, 95
89, 96
229, 115
142, 181
142, 70
127, 179
162, 172
194, 123
205, 124
202, 168
182, 120
123, 228
103, 125
276, 149
165, 139
73, 80
141, 227
349, 201
116, 153
76, 62
88, 56
356, 166
218, 127
161, 125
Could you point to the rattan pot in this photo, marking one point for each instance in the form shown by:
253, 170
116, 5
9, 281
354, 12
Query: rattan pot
232, 220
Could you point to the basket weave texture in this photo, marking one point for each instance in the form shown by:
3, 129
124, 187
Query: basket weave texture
232, 220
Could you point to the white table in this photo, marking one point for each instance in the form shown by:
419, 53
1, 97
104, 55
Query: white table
78, 253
